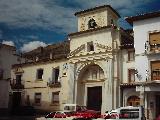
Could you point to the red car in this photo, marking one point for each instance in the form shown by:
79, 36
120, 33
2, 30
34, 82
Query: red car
158, 118
84, 113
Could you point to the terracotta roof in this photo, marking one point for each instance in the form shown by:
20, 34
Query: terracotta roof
127, 40
59, 51
90, 30
142, 17
46, 61
7, 46
96, 8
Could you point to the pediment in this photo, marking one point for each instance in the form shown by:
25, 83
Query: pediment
103, 47
18, 70
77, 50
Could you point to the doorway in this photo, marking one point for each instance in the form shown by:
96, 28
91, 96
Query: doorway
94, 98
16, 99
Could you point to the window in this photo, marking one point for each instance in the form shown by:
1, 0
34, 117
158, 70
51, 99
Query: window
90, 46
155, 68
1, 73
154, 41
55, 75
37, 98
55, 97
131, 75
92, 23
18, 79
133, 101
131, 55
40, 74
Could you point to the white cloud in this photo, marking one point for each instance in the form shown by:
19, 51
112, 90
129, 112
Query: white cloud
11, 43
32, 45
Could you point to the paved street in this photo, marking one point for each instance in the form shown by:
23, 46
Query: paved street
17, 118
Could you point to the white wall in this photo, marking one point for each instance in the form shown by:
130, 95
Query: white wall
141, 29
7, 59
103, 37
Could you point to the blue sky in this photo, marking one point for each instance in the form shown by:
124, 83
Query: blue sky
28, 24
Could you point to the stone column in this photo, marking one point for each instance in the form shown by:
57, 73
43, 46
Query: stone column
71, 82
108, 86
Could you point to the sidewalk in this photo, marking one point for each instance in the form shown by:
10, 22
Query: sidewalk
17, 117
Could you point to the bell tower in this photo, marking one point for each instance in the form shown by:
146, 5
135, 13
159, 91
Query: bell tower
96, 17
93, 64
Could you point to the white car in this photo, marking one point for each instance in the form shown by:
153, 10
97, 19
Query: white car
126, 113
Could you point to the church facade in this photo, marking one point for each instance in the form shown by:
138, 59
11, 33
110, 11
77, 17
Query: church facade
87, 69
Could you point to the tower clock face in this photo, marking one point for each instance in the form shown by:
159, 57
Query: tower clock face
92, 23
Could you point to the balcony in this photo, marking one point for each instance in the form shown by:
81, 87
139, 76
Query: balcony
152, 48
15, 84
156, 78
54, 84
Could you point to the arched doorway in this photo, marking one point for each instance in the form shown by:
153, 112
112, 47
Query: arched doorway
133, 101
89, 87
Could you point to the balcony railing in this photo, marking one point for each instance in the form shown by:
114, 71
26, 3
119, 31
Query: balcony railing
16, 85
154, 48
156, 77
54, 84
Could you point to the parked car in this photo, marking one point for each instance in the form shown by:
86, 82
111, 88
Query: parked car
158, 118
126, 113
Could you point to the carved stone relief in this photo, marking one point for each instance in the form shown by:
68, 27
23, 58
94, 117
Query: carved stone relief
83, 20
100, 20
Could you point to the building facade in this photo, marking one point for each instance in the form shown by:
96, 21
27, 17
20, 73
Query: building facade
87, 69
146, 40
8, 57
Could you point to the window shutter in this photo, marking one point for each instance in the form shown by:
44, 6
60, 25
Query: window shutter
154, 38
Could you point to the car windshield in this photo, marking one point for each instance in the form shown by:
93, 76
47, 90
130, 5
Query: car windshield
129, 113
71, 108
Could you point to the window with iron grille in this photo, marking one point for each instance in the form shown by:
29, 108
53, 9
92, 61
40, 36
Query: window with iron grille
38, 98
40, 73
55, 97
55, 75
18, 79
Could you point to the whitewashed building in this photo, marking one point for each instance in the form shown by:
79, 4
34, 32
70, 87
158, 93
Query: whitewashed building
87, 69
147, 62
8, 57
